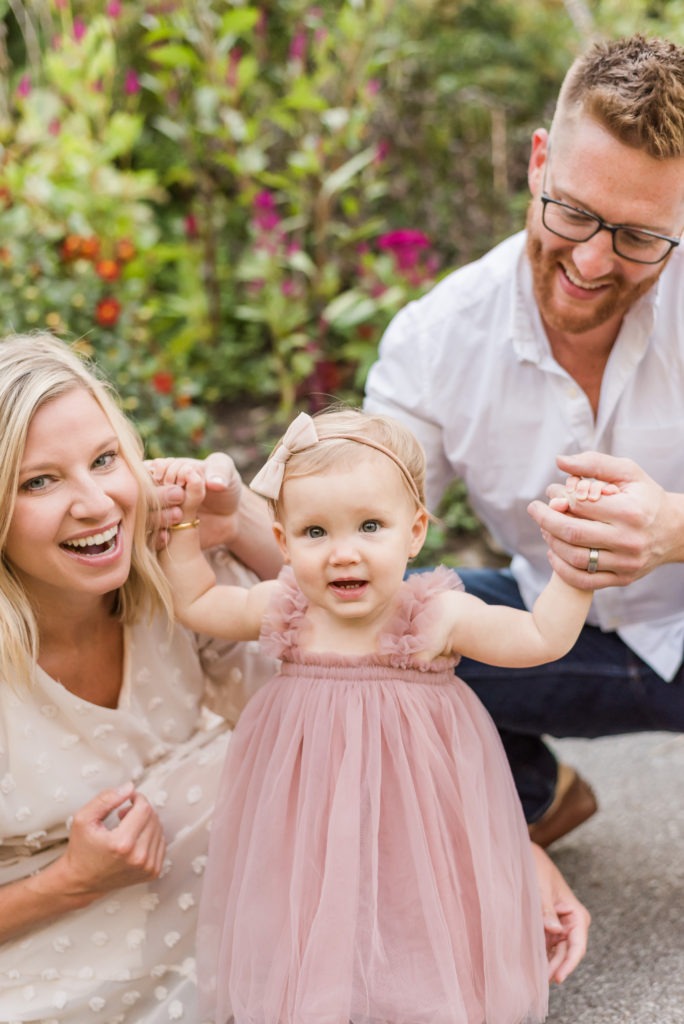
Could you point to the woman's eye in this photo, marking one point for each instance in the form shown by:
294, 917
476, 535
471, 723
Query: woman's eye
104, 460
370, 526
36, 483
315, 532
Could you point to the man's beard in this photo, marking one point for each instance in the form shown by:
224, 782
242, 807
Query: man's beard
613, 303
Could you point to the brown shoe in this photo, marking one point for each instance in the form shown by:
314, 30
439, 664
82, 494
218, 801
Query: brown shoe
573, 803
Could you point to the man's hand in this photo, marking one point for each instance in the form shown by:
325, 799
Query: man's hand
634, 529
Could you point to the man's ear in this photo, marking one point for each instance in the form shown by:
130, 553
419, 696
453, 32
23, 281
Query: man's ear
537, 162
281, 540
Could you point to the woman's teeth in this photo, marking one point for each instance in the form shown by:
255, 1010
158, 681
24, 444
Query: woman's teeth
95, 540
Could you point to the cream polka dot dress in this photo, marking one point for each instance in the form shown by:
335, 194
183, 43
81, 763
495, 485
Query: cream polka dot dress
128, 958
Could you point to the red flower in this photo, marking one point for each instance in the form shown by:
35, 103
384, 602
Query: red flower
107, 311
163, 382
108, 270
125, 250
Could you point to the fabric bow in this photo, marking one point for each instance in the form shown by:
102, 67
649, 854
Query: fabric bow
299, 435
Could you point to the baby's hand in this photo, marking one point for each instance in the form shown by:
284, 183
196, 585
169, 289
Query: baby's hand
578, 489
183, 473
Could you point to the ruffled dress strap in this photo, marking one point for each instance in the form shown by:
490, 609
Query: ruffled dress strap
281, 624
405, 635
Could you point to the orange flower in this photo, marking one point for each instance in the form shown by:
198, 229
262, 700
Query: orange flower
107, 311
109, 270
125, 250
71, 247
90, 247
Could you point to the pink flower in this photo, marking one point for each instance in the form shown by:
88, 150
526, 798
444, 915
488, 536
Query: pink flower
24, 86
265, 217
405, 244
131, 83
233, 66
79, 29
114, 9
298, 46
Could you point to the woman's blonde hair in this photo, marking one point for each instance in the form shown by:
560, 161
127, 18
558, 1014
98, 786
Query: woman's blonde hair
340, 451
34, 369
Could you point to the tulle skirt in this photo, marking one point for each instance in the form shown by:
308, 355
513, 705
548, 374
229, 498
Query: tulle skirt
369, 860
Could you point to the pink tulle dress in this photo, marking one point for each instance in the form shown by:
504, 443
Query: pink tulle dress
369, 861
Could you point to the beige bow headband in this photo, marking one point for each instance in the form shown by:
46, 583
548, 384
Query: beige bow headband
300, 435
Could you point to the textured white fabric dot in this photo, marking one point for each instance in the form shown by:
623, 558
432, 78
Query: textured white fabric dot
29, 993
186, 900
89, 771
59, 999
49, 974
160, 993
176, 1011
69, 741
149, 901
135, 938
99, 938
96, 1004
112, 906
199, 864
194, 795
86, 973
159, 799
130, 998
7, 784
48, 711
23, 813
171, 938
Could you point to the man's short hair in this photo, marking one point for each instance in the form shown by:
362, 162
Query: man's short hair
632, 87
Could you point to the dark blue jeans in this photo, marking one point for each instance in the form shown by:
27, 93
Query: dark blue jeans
600, 688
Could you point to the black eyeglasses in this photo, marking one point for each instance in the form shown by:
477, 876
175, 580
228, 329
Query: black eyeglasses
635, 244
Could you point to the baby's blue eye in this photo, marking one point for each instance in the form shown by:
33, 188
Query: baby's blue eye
370, 526
315, 532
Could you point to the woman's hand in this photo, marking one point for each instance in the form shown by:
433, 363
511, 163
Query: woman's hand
102, 857
566, 920
219, 512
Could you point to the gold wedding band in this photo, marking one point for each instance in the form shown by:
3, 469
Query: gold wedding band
592, 564
185, 526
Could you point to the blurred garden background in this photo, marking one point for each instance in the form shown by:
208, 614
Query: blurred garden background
225, 202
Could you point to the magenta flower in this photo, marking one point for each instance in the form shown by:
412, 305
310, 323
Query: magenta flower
79, 29
298, 46
265, 216
24, 86
131, 83
233, 65
114, 9
406, 245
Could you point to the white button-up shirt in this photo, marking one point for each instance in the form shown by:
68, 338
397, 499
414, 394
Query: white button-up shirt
469, 368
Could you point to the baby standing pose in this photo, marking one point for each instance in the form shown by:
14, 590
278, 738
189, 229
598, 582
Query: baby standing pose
369, 861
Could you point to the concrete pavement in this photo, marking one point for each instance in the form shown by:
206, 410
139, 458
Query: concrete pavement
627, 865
